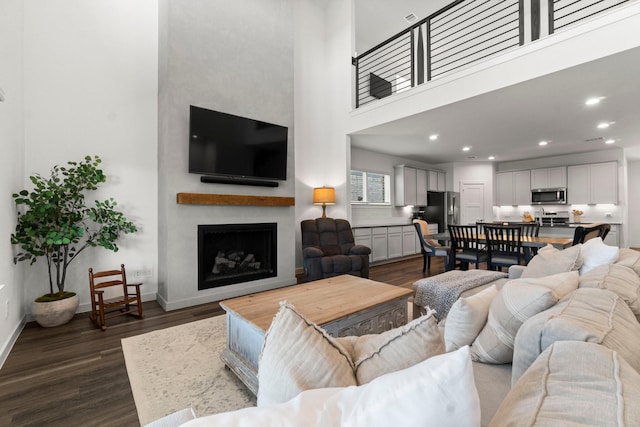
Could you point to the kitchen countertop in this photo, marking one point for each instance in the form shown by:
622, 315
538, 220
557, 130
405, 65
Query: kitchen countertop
569, 224
391, 222
406, 221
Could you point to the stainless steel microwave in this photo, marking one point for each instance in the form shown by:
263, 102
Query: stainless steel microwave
549, 196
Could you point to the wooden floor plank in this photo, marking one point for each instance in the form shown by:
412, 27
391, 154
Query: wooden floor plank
75, 374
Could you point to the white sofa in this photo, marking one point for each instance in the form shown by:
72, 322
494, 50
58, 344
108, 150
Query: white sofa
558, 344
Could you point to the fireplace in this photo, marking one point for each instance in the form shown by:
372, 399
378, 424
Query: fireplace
235, 253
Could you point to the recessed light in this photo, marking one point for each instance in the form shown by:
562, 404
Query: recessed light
603, 125
543, 143
466, 148
491, 157
593, 101
433, 137
610, 141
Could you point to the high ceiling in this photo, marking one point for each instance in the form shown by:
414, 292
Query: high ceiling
550, 108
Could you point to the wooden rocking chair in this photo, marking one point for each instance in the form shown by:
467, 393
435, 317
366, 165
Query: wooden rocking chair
127, 300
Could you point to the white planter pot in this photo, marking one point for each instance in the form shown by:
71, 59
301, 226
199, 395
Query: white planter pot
55, 313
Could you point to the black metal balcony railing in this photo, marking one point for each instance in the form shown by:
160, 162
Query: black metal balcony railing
458, 35
563, 13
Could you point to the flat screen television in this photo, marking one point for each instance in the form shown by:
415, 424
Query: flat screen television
222, 144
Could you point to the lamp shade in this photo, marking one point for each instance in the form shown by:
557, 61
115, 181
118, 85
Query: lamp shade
324, 196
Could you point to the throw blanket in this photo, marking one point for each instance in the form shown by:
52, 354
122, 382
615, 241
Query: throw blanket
441, 291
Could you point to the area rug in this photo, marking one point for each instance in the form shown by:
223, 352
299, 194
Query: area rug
180, 367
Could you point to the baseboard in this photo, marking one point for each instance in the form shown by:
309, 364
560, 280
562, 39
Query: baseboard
221, 295
85, 307
12, 340
392, 260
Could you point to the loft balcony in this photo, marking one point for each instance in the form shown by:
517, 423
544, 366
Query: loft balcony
470, 35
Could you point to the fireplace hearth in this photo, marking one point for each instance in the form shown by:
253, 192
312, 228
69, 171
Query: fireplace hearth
235, 253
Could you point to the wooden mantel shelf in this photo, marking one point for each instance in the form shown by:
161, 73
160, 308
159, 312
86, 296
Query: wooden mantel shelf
233, 199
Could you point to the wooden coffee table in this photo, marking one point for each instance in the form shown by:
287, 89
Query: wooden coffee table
342, 305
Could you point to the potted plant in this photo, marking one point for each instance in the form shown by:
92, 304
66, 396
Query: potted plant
55, 222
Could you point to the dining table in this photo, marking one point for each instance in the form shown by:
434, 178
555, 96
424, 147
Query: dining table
526, 241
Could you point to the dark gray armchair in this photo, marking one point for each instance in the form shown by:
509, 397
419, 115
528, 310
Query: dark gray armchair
329, 249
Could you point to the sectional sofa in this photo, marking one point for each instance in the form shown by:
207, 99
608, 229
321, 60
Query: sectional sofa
556, 344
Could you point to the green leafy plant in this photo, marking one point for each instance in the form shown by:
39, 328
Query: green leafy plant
57, 224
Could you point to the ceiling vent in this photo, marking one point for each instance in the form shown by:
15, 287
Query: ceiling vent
594, 139
411, 18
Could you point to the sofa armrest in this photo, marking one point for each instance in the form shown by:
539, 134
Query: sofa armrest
312, 252
359, 250
515, 271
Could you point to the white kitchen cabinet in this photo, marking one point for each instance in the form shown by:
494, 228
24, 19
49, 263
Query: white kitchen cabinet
595, 183
549, 177
405, 185
389, 242
421, 187
436, 181
513, 188
409, 240
612, 236
394, 242
362, 236
379, 244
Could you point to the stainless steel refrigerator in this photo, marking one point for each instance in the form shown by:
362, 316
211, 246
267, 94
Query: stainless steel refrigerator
442, 208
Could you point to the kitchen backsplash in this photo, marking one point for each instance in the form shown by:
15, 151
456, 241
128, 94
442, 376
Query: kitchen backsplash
591, 213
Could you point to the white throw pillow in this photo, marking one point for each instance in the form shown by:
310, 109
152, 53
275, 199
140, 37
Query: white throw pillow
298, 355
516, 302
467, 317
595, 252
399, 348
439, 391
550, 260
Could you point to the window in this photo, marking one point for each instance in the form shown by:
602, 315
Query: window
370, 187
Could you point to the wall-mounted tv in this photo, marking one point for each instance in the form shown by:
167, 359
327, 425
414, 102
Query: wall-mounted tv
222, 144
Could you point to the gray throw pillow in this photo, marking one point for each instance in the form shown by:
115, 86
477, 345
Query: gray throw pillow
573, 383
592, 315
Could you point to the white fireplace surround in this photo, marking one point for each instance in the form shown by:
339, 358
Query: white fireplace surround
178, 278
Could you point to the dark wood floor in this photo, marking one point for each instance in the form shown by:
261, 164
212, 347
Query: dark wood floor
74, 375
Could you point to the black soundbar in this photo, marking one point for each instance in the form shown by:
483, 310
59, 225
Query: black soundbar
238, 181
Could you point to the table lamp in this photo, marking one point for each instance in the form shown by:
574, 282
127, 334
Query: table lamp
324, 196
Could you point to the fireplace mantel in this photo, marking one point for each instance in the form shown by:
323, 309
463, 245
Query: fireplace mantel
232, 199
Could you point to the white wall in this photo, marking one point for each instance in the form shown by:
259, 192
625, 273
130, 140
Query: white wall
633, 224
90, 88
472, 173
11, 170
370, 161
612, 155
322, 99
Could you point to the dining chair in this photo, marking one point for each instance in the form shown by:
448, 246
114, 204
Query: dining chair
582, 233
529, 229
504, 245
428, 247
466, 247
